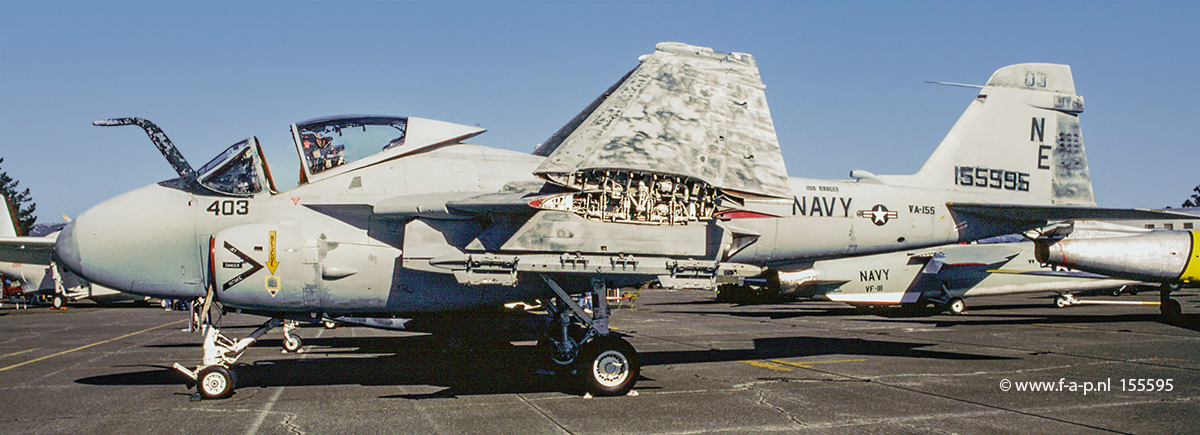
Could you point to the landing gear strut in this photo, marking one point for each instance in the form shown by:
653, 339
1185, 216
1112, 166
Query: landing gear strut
577, 341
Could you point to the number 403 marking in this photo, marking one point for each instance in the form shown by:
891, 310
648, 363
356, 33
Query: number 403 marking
229, 207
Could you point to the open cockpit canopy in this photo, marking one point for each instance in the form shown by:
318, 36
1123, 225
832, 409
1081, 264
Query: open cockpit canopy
240, 170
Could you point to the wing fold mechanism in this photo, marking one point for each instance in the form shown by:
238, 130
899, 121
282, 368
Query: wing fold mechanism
686, 127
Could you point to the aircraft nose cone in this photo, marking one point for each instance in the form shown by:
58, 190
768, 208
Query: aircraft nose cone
142, 242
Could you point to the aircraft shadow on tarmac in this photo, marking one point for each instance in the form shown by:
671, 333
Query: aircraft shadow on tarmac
980, 315
478, 369
1185, 321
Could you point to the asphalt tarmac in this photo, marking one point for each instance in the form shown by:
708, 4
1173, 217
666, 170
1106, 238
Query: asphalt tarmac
708, 367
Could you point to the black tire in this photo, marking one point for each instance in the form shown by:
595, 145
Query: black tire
292, 343
1062, 302
216, 382
1171, 309
329, 324
730, 293
1116, 292
59, 301
608, 366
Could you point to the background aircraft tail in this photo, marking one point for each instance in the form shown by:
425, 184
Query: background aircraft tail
1020, 137
8, 220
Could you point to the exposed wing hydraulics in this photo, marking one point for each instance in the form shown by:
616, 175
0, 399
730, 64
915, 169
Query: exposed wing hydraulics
684, 128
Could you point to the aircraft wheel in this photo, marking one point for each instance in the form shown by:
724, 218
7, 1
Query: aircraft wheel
956, 306
549, 359
329, 324
216, 382
1170, 309
1116, 292
730, 293
608, 366
1062, 301
59, 301
292, 343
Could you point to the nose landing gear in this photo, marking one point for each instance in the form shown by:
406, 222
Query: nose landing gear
215, 377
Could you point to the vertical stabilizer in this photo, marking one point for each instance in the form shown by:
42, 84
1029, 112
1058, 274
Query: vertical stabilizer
8, 222
1021, 137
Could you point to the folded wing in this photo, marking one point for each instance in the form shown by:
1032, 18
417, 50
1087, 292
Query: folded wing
685, 111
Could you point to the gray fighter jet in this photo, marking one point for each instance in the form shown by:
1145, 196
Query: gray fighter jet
947, 275
674, 174
942, 276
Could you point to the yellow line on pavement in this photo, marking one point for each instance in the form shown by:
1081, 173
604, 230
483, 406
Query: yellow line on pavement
767, 365
807, 364
21, 352
93, 344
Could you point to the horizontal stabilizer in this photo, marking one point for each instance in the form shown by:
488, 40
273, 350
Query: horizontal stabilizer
1033, 213
981, 255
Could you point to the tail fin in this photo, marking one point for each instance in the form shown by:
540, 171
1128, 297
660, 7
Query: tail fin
1020, 136
8, 220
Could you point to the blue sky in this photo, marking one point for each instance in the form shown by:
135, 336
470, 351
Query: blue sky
844, 79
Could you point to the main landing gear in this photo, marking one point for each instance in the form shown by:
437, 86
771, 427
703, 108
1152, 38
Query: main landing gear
956, 306
1170, 308
580, 343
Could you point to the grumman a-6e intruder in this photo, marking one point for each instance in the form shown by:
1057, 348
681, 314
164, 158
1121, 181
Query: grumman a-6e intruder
673, 174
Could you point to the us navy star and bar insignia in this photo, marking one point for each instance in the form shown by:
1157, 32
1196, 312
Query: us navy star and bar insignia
879, 214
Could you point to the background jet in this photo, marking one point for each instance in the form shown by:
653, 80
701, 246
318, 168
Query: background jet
1169, 257
672, 174
943, 276
948, 274
40, 276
